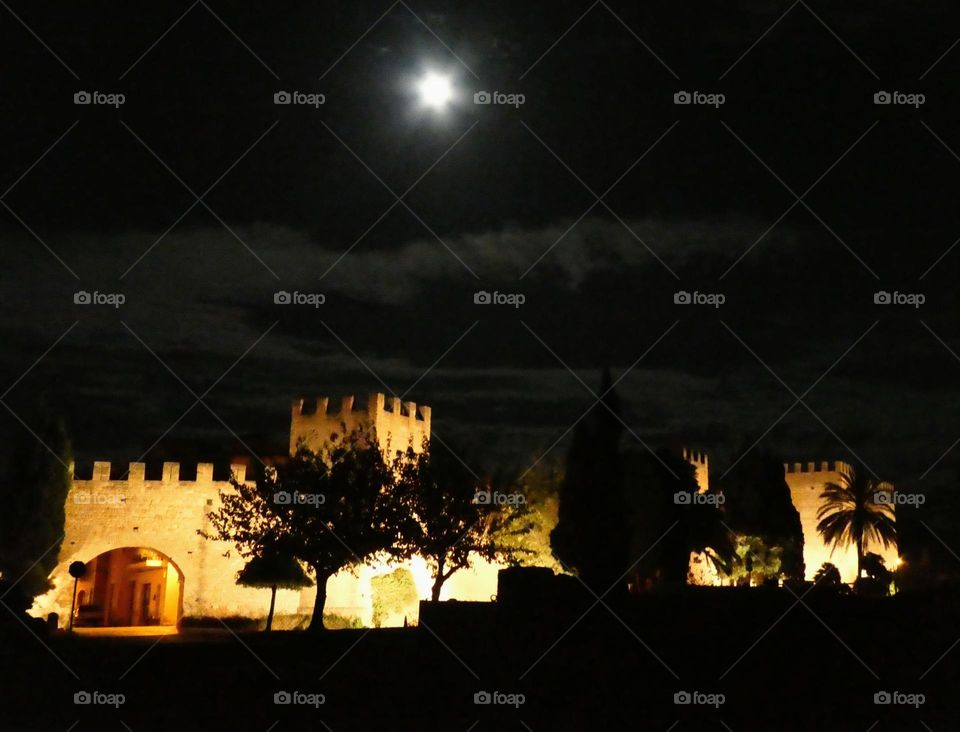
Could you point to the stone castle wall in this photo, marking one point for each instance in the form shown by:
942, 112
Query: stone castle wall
397, 424
117, 507
806, 482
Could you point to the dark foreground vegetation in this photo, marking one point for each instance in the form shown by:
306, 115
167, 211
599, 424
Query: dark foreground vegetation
807, 668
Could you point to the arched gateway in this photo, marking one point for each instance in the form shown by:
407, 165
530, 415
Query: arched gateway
129, 586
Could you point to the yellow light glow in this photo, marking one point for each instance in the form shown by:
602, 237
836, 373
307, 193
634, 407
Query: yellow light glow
154, 563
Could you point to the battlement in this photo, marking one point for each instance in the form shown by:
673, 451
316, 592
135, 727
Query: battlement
701, 463
395, 422
694, 456
104, 471
373, 404
824, 466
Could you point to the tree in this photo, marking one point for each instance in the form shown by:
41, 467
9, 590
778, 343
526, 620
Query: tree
540, 487
394, 593
877, 579
670, 519
331, 510
33, 492
828, 576
450, 515
758, 504
756, 562
857, 510
273, 569
591, 535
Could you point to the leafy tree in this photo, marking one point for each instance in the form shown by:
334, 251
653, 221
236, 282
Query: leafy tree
591, 535
756, 562
540, 486
273, 569
331, 510
33, 492
878, 578
450, 516
666, 526
394, 593
828, 576
856, 511
758, 504
926, 533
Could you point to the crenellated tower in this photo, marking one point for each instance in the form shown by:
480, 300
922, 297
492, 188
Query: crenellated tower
396, 424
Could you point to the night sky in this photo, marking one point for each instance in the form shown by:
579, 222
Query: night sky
797, 200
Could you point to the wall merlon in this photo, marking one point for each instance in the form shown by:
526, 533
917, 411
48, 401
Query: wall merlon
101, 470
239, 472
823, 466
204, 472
137, 471
397, 422
171, 472
694, 456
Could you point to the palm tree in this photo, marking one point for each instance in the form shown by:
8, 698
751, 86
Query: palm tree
857, 510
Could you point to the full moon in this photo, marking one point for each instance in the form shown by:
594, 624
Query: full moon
435, 90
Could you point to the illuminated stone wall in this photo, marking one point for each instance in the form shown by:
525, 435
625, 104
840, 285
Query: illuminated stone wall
126, 510
806, 482
116, 506
397, 424
700, 571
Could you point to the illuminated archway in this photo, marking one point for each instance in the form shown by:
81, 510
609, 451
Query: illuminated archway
130, 586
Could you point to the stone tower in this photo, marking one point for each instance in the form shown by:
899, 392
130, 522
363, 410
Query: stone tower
806, 482
396, 424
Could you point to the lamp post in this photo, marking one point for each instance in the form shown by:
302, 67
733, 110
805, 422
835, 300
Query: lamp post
77, 570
